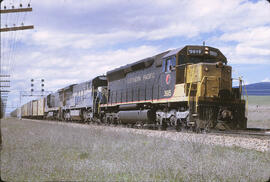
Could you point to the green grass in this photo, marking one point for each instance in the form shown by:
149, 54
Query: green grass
35, 151
259, 100
258, 112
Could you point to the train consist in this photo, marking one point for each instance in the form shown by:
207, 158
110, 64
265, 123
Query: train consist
187, 88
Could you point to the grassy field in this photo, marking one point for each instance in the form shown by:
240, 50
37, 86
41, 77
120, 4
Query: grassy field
34, 151
259, 111
259, 100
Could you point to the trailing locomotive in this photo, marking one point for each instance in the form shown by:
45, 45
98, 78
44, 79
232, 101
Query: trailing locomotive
76, 101
184, 88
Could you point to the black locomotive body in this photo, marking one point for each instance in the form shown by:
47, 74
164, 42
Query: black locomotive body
185, 88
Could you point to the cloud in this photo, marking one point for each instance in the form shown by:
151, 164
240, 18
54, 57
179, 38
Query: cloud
266, 80
58, 70
58, 39
253, 41
152, 19
91, 23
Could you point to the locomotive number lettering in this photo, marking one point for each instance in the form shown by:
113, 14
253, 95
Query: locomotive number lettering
167, 93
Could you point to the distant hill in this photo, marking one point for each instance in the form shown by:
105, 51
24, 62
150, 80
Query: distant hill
262, 88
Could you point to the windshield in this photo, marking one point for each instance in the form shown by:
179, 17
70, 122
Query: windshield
202, 59
197, 59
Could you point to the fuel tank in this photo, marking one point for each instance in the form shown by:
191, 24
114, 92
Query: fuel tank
134, 116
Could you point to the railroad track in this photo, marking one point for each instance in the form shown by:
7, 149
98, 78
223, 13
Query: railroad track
260, 132
248, 132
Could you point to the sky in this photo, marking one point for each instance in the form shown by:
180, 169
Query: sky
74, 41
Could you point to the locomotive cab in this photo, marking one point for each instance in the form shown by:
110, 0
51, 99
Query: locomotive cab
203, 80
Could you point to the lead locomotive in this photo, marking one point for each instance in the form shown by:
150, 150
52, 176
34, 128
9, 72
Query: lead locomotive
189, 87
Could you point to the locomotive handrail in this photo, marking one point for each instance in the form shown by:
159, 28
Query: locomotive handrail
190, 85
240, 81
246, 97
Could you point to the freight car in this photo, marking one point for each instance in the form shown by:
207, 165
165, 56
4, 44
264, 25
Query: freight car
15, 113
24, 113
40, 108
1, 108
33, 109
189, 87
186, 88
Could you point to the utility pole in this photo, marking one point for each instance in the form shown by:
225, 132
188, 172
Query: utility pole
18, 10
8, 29
15, 10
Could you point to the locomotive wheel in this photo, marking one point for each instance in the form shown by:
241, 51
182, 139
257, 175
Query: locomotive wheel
84, 116
178, 126
116, 122
163, 125
130, 125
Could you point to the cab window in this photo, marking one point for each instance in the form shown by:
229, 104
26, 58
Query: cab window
164, 65
173, 61
168, 63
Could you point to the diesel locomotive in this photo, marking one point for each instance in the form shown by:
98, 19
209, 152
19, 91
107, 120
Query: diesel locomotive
186, 88
189, 87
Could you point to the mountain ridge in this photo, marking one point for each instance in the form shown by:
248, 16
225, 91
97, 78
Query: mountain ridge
260, 89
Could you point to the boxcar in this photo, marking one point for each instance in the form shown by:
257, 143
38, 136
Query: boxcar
29, 109
41, 107
24, 111
35, 108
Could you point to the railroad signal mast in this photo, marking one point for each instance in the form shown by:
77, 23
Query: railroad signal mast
32, 92
38, 93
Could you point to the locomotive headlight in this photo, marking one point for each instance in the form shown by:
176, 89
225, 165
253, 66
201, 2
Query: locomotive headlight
206, 69
219, 64
206, 52
206, 48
